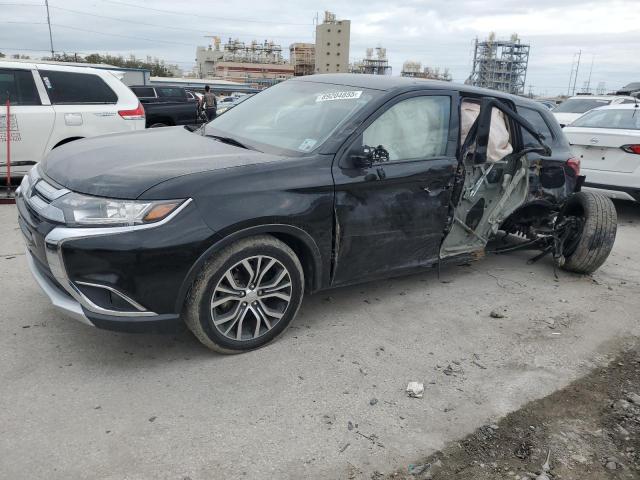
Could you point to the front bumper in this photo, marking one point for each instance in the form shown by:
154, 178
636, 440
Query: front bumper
75, 305
59, 298
116, 278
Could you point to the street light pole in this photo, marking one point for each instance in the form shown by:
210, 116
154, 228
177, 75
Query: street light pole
46, 3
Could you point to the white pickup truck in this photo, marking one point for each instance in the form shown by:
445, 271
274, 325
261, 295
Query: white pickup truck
52, 104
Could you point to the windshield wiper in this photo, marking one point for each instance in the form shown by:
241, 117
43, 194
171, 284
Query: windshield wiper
230, 141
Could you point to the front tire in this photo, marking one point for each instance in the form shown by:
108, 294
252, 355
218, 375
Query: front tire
246, 295
590, 247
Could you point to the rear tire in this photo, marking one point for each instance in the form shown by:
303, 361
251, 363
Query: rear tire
598, 233
257, 283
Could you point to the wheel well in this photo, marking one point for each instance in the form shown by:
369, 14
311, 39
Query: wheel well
309, 259
304, 254
533, 214
166, 120
66, 140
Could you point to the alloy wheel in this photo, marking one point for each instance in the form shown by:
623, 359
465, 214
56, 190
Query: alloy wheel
251, 298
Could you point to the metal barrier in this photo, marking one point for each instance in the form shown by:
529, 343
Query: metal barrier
9, 196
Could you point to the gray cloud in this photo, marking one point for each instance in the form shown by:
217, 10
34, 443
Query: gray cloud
434, 32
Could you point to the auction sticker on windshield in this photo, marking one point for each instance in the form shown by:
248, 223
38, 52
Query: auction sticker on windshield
325, 97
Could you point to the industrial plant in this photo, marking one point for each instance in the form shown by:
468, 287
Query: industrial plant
373, 65
256, 63
413, 69
500, 64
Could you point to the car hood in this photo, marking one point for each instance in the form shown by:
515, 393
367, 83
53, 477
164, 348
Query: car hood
126, 165
565, 118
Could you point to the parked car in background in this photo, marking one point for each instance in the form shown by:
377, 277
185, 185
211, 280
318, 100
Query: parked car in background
55, 104
607, 141
229, 105
572, 108
224, 103
317, 182
167, 105
548, 103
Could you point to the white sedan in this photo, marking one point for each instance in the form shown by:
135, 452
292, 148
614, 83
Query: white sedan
573, 108
607, 141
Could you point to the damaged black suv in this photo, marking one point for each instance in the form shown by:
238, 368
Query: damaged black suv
314, 183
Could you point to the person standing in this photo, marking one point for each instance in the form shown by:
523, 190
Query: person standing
209, 103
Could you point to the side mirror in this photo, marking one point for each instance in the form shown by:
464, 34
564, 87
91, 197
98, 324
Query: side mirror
365, 156
362, 157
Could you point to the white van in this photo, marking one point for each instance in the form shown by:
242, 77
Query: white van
51, 105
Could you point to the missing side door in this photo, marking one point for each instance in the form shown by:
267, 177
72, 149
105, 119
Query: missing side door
494, 177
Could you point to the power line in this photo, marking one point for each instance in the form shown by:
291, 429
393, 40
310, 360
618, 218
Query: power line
136, 22
173, 12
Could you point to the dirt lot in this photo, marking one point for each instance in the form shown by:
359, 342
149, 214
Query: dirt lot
328, 399
589, 430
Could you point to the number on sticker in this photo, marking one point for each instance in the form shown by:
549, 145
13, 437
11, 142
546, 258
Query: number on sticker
325, 97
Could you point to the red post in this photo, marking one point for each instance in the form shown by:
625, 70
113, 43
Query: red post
8, 145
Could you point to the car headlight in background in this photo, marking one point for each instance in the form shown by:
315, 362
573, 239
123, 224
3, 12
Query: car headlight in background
84, 210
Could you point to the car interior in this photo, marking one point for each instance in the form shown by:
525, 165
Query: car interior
496, 180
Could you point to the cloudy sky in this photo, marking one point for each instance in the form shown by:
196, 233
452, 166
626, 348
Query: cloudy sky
435, 32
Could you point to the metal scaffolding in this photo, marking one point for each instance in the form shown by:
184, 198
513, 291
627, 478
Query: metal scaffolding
500, 65
378, 65
303, 58
414, 69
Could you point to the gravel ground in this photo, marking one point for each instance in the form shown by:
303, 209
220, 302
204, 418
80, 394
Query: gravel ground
589, 430
328, 399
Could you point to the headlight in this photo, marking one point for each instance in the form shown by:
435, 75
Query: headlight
85, 210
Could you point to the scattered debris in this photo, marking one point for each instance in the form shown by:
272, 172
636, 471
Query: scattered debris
152, 419
589, 431
497, 313
546, 466
478, 364
450, 371
418, 469
634, 398
373, 401
373, 438
344, 447
415, 389
524, 450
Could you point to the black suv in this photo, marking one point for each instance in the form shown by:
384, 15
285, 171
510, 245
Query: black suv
167, 105
316, 182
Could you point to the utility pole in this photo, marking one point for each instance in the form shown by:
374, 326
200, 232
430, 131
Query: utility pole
46, 3
590, 72
575, 79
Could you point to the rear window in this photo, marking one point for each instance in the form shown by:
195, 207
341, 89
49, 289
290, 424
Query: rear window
536, 119
580, 105
18, 87
143, 92
627, 119
74, 88
171, 92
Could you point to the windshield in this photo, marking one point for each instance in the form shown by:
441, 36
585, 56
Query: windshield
294, 116
580, 105
627, 119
